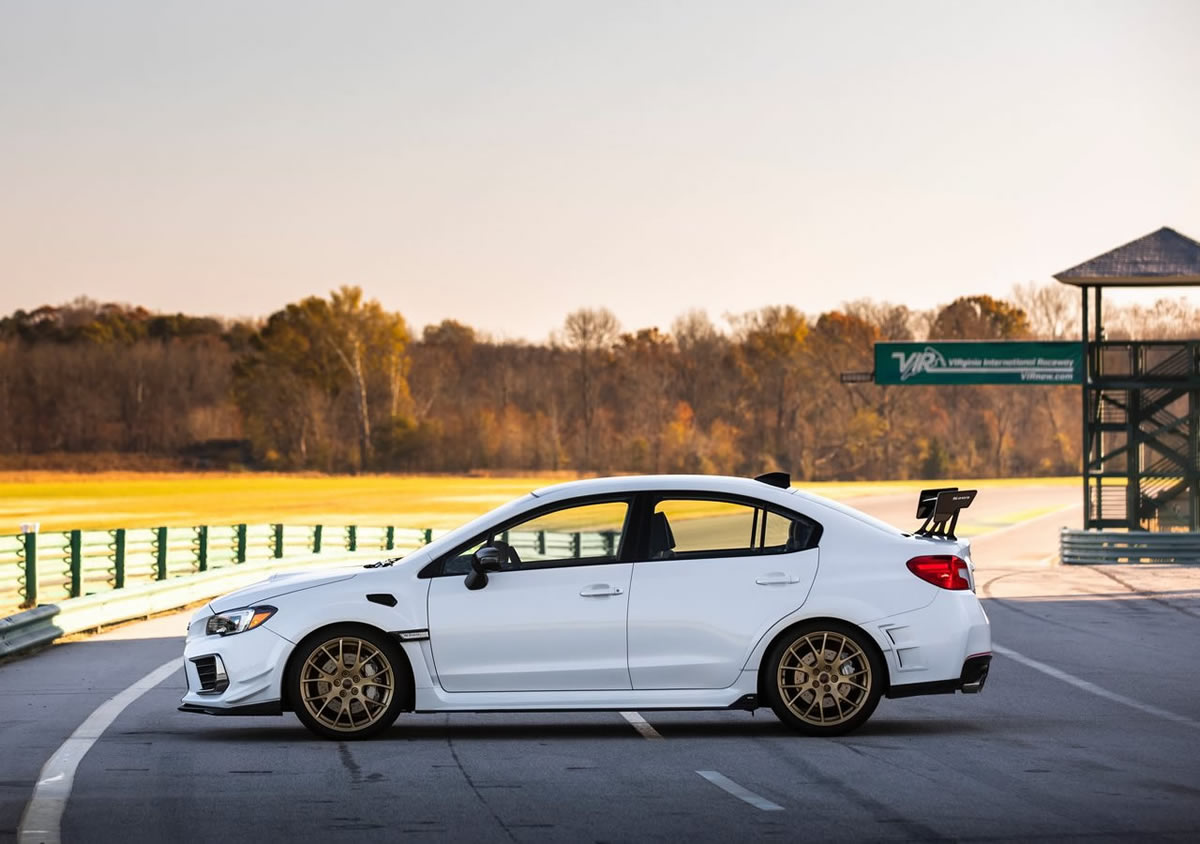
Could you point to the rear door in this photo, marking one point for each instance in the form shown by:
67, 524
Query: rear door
716, 575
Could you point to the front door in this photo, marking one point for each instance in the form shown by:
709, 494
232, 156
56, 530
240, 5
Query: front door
720, 574
553, 620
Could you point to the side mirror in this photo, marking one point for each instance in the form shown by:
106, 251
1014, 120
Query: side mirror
488, 558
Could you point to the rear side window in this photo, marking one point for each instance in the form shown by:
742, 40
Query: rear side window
690, 527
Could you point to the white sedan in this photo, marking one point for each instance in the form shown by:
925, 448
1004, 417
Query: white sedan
632, 593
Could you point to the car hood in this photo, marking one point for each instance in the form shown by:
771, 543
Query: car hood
283, 583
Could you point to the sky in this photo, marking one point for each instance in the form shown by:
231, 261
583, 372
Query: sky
504, 163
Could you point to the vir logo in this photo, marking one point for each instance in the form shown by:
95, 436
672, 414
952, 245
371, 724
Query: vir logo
929, 360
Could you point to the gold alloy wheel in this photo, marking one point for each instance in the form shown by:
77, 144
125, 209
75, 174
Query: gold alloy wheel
824, 678
347, 684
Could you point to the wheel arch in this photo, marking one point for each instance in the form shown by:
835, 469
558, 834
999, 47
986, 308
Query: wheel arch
410, 689
805, 622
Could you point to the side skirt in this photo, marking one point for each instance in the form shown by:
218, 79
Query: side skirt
740, 695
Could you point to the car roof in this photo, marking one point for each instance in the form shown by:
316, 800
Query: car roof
666, 483
712, 483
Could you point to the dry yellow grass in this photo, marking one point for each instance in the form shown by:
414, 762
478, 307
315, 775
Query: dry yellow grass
61, 501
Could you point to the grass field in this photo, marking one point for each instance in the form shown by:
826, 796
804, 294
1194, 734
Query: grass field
60, 501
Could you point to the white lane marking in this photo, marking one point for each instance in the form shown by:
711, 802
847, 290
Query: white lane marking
641, 725
1099, 691
41, 822
726, 784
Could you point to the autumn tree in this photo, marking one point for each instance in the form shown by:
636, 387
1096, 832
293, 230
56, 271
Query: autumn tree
646, 366
334, 383
590, 334
317, 358
774, 375
979, 318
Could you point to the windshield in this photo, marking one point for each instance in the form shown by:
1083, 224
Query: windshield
478, 525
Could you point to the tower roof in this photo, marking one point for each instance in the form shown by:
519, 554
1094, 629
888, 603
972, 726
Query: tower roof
1161, 258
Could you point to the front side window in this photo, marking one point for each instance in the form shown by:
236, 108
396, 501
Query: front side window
582, 534
699, 528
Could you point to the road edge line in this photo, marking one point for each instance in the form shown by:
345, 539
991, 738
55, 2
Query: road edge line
740, 792
640, 724
41, 821
1099, 691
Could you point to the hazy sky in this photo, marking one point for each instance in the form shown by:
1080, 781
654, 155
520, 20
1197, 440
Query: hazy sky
503, 163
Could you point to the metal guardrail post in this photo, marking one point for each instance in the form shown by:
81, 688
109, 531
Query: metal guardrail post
277, 541
201, 547
239, 543
31, 584
118, 558
391, 537
541, 542
352, 538
160, 553
75, 544
428, 535
316, 545
577, 545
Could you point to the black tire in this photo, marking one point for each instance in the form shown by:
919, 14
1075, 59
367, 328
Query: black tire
348, 682
818, 694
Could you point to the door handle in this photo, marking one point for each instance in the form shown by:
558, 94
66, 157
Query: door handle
599, 590
776, 578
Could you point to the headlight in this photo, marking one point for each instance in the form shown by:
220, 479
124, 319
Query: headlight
237, 621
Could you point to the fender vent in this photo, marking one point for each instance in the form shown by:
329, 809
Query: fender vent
382, 598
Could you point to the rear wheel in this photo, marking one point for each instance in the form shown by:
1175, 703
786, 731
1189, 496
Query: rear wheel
348, 682
824, 679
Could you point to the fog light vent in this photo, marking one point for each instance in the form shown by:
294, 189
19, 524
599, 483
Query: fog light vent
211, 671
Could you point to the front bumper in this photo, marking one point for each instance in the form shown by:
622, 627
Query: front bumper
252, 664
269, 708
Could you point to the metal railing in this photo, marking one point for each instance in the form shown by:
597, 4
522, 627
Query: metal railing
51, 566
42, 568
1090, 547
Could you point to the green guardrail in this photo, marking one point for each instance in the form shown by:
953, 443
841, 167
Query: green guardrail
84, 580
50, 567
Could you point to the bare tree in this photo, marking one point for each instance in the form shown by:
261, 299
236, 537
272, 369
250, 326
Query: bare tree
590, 332
1052, 309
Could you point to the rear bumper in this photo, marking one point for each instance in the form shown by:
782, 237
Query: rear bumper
970, 681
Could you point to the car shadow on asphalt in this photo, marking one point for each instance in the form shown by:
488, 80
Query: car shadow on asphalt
763, 726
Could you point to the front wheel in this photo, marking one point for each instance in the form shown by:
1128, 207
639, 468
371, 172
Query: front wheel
824, 679
347, 682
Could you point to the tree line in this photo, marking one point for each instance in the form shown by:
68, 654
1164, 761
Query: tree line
340, 384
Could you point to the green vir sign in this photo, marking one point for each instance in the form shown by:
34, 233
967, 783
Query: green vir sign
971, 362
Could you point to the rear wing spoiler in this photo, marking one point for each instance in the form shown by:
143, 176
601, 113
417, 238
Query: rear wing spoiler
939, 506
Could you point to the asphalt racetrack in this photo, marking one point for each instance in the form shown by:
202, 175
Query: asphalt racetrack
1088, 729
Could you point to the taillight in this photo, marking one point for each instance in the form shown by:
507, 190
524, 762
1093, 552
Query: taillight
943, 570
